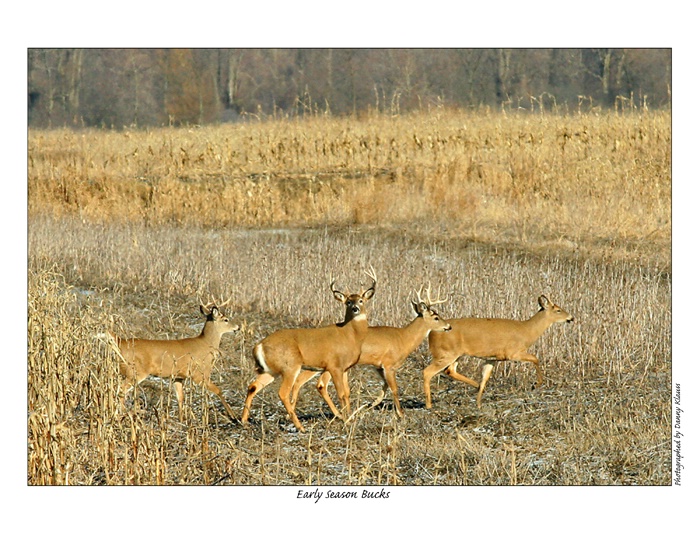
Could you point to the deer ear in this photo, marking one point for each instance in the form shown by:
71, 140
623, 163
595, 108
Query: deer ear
205, 311
544, 302
339, 296
421, 308
369, 293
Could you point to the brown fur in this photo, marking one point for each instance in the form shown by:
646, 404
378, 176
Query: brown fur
385, 348
334, 348
489, 339
188, 358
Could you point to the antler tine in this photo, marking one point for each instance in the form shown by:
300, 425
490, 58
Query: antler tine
431, 302
373, 275
214, 302
205, 308
418, 295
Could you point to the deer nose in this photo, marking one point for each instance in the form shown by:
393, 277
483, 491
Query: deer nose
355, 309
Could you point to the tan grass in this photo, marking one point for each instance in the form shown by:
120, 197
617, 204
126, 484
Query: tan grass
128, 230
589, 181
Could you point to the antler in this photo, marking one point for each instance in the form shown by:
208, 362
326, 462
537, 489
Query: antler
218, 303
418, 295
223, 302
333, 288
373, 275
431, 302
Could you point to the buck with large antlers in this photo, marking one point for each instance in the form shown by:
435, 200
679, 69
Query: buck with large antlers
492, 340
386, 348
188, 358
334, 348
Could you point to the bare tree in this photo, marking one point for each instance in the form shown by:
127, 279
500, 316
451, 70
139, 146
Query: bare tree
125, 87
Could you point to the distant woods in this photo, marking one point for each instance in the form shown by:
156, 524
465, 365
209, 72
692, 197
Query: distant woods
114, 88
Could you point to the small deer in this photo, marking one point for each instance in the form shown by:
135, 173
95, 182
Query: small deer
386, 348
188, 358
334, 348
489, 339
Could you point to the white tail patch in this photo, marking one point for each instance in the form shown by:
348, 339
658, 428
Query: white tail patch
260, 358
334, 348
385, 348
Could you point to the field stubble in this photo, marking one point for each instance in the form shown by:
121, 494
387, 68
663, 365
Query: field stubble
101, 258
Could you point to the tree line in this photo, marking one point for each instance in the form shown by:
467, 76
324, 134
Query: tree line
153, 87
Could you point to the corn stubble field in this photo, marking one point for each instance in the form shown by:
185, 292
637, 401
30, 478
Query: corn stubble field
128, 231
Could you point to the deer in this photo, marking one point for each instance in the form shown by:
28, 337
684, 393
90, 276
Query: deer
386, 348
187, 358
333, 348
491, 340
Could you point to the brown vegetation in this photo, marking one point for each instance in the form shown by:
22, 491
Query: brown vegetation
128, 230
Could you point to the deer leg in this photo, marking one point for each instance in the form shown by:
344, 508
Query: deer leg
382, 393
485, 375
288, 380
217, 391
438, 365
130, 379
124, 388
302, 378
131, 383
527, 357
180, 394
262, 381
322, 387
340, 380
346, 385
390, 375
451, 371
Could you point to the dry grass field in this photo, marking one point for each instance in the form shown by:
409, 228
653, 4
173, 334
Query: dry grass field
129, 231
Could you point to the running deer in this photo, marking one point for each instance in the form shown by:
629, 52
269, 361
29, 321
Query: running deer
386, 348
188, 358
334, 349
489, 339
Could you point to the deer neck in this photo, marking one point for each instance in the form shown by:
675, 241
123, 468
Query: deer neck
210, 334
359, 325
537, 324
414, 333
